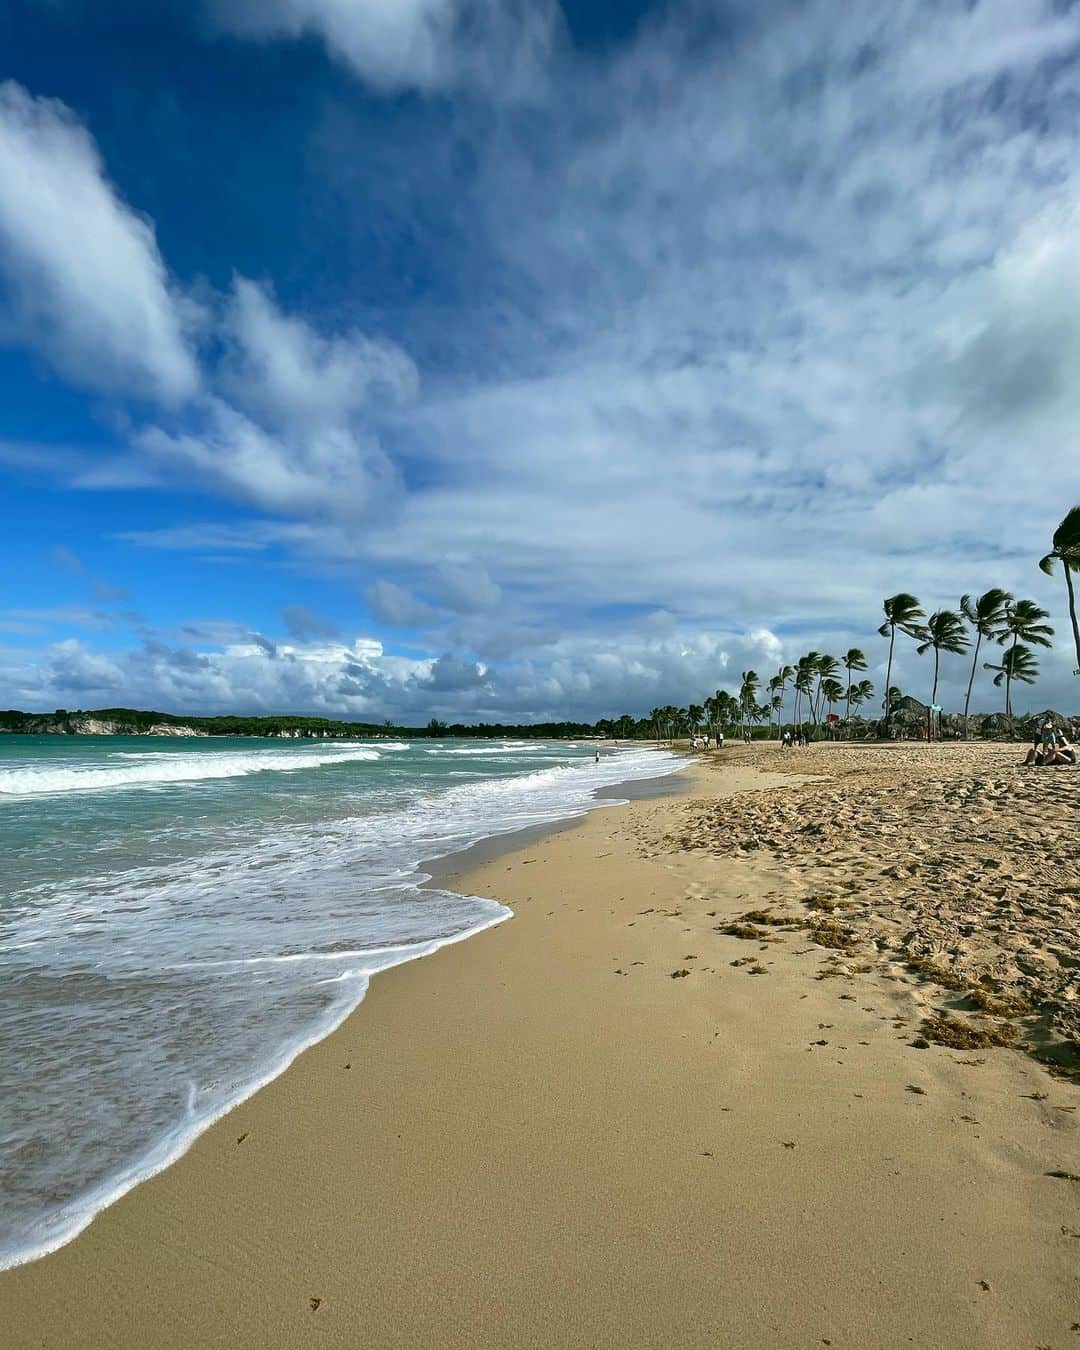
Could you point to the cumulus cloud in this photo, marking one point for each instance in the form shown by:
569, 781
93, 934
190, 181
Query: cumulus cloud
580, 676
426, 45
81, 277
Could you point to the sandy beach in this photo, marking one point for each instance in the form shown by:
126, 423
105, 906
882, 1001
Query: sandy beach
783, 1059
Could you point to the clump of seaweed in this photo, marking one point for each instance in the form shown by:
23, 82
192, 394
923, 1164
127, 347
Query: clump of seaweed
941, 1029
948, 979
829, 933
739, 929
824, 904
1000, 1005
766, 916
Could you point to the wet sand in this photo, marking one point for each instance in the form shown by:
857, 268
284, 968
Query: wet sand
608, 1122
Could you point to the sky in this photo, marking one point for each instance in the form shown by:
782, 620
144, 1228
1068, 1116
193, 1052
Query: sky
516, 360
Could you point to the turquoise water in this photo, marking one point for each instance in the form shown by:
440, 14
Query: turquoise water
179, 917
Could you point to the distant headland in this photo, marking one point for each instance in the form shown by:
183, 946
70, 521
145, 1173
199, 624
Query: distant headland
137, 722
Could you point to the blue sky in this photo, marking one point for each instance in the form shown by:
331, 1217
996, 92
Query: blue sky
517, 360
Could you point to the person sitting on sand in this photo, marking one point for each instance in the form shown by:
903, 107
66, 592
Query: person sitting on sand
1037, 755
1062, 752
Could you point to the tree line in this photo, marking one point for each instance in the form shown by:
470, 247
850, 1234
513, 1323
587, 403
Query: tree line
1016, 626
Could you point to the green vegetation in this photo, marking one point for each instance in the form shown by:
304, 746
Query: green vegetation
1066, 550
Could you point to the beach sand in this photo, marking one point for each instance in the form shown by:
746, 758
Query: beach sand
607, 1123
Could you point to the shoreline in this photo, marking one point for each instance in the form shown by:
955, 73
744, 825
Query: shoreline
170, 1148
534, 1139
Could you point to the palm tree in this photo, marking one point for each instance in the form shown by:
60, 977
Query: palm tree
986, 616
852, 660
832, 691
748, 692
1017, 664
694, 714
1023, 623
774, 698
826, 668
1067, 549
783, 675
656, 717
902, 611
859, 693
945, 633
804, 679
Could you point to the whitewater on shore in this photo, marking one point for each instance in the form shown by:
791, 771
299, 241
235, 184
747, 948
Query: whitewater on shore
180, 919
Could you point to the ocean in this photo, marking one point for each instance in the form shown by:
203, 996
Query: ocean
179, 918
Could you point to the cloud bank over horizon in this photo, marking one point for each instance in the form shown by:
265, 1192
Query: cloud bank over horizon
591, 370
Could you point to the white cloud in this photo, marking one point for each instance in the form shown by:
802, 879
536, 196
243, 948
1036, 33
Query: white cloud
427, 45
82, 278
320, 470
280, 370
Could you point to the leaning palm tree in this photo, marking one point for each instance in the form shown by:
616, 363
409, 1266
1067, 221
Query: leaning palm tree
859, 693
986, 616
1017, 665
825, 668
832, 691
902, 611
1024, 624
1067, 550
774, 699
804, 679
748, 693
852, 660
784, 674
945, 633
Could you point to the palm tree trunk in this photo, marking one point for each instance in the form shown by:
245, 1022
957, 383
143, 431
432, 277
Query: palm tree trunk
888, 680
971, 682
1008, 688
933, 695
1072, 612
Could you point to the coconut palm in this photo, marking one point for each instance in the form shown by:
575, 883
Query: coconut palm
694, 715
986, 615
1017, 665
804, 679
748, 693
774, 698
859, 693
944, 633
902, 611
825, 668
1067, 550
852, 660
784, 674
1024, 624
832, 691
